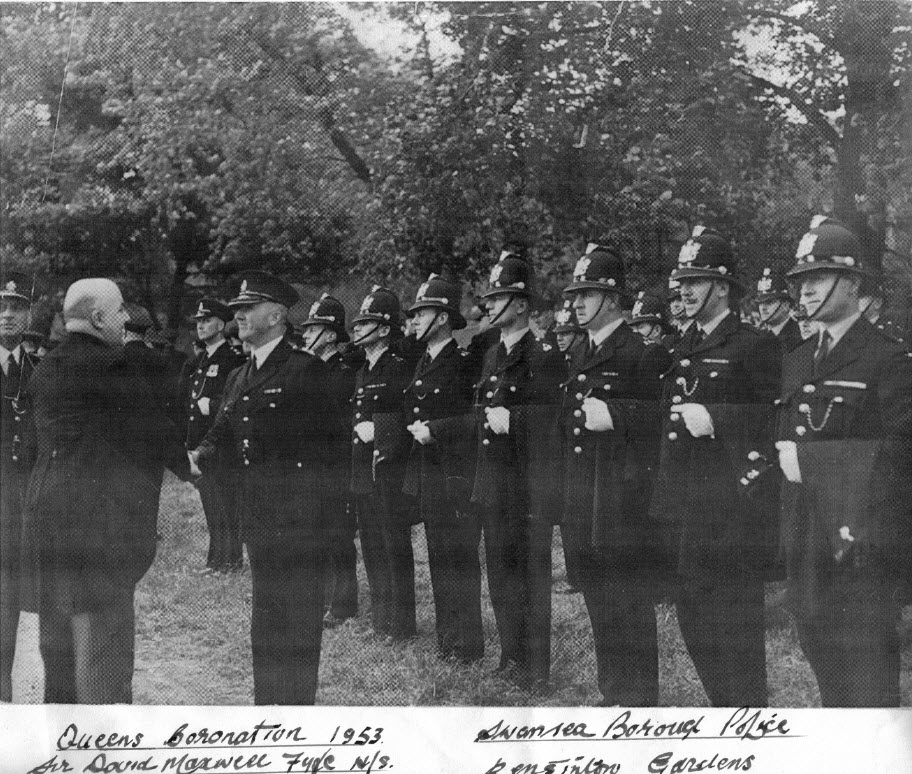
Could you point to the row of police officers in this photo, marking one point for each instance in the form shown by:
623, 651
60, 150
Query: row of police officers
692, 472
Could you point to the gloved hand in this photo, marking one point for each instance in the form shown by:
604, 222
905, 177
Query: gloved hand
598, 418
696, 419
788, 460
498, 419
365, 431
203, 404
421, 432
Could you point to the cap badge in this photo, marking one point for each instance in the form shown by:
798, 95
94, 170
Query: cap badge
314, 309
582, 266
806, 245
562, 316
366, 304
689, 251
11, 286
495, 273
202, 309
765, 284
638, 309
244, 286
422, 291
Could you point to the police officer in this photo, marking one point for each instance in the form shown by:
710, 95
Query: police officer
774, 306
202, 383
648, 317
16, 366
845, 428
280, 415
515, 408
609, 420
324, 332
379, 451
438, 402
717, 403
567, 330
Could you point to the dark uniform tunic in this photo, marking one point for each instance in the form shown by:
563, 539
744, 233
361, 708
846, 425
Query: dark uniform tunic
342, 579
846, 529
511, 481
91, 511
281, 419
440, 475
15, 463
606, 488
717, 536
204, 377
384, 515
789, 336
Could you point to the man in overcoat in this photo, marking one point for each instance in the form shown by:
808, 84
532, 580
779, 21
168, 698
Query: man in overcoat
717, 405
844, 437
438, 407
515, 410
92, 501
609, 422
280, 415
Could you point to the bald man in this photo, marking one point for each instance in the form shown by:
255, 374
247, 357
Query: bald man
91, 508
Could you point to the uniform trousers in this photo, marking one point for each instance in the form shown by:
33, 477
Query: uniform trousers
88, 656
386, 546
620, 601
217, 490
452, 541
852, 643
722, 623
286, 624
341, 596
11, 490
518, 561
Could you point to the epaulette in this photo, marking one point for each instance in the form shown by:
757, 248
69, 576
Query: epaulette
889, 332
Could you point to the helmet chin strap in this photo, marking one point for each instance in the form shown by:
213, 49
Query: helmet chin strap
502, 311
827, 297
371, 332
599, 310
702, 304
427, 328
313, 347
765, 320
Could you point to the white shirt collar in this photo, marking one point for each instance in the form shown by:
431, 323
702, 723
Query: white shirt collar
599, 336
261, 353
210, 348
6, 353
373, 357
510, 340
714, 323
839, 329
777, 329
436, 348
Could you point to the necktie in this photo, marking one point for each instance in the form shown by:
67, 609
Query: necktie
501, 357
823, 349
13, 373
699, 336
590, 352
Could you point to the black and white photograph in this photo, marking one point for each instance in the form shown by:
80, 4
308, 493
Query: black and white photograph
457, 354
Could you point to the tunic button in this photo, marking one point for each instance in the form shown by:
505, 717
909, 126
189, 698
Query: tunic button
18, 418
577, 449
419, 383
713, 374
581, 378
487, 426
606, 386
804, 408
376, 452
685, 363
681, 380
376, 397
675, 417
672, 436
416, 410
246, 397
192, 418
300, 465
577, 413
809, 388
494, 378
246, 462
357, 416
800, 430
512, 389
272, 405
579, 396
246, 419
356, 440
485, 442
359, 402
576, 431
675, 398
489, 394
437, 391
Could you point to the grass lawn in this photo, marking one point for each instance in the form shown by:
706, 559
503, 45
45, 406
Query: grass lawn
193, 642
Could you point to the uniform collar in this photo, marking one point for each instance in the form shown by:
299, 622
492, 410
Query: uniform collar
374, 356
510, 340
436, 348
777, 329
210, 348
598, 337
838, 330
6, 353
261, 353
714, 323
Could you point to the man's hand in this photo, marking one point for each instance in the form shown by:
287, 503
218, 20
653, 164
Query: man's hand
598, 418
203, 404
498, 419
421, 432
788, 460
696, 419
193, 456
365, 431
